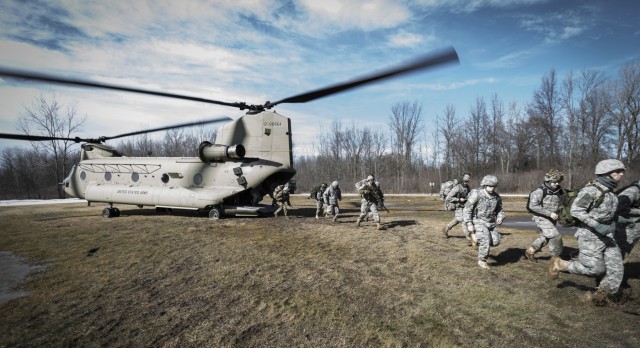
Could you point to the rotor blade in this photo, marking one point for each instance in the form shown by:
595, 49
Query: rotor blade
30, 75
449, 55
102, 139
182, 125
34, 137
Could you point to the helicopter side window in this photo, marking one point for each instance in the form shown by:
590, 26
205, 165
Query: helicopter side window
83, 175
107, 176
165, 178
135, 177
197, 179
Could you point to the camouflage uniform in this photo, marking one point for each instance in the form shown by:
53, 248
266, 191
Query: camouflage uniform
372, 199
628, 213
457, 196
331, 197
320, 201
599, 252
281, 196
484, 210
544, 203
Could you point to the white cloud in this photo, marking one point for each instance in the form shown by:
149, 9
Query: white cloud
355, 14
469, 6
406, 39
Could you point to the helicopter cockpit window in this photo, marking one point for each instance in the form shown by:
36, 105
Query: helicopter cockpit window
197, 179
165, 178
107, 176
135, 177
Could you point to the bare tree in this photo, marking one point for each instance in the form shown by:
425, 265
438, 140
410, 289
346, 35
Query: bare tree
625, 108
44, 117
593, 113
406, 125
544, 113
448, 130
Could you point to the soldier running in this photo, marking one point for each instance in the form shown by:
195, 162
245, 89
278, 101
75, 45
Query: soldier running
595, 207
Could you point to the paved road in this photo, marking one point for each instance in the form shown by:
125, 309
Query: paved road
528, 224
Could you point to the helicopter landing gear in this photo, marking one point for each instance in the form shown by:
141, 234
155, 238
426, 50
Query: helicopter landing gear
110, 212
214, 214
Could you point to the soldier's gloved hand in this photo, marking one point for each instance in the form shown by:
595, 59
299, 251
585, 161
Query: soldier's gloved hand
603, 229
553, 216
627, 222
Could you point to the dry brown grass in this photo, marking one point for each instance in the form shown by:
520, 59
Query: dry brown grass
181, 280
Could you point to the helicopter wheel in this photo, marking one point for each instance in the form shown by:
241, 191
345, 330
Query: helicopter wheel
115, 212
107, 213
214, 214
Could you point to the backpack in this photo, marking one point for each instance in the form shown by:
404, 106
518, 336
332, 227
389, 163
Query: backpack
314, 191
445, 188
545, 193
565, 218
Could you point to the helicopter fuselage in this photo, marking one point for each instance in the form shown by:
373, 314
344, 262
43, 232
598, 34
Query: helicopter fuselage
218, 176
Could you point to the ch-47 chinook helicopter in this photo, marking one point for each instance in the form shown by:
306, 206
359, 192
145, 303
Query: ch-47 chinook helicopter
250, 157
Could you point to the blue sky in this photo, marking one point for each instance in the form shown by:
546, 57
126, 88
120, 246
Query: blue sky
254, 51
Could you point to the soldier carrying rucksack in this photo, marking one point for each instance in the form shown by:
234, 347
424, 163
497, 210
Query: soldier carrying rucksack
455, 201
599, 254
317, 193
544, 203
281, 197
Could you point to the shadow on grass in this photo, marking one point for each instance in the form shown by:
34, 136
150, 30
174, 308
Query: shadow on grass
632, 270
572, 284
511, 255
400, 223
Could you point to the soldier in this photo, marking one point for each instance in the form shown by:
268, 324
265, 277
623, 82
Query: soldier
628, 212
481, 213
281, 196
320, 200
331, 197
544, 203
595, 207
372, 199
456, 199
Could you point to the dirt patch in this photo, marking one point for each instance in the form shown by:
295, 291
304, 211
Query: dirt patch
13, 272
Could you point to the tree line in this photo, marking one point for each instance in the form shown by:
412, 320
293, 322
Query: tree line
570, 124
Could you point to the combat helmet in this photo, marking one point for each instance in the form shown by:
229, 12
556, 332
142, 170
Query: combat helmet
607, 166
554, 175
466, 177
370, 178
334, 184
489, 180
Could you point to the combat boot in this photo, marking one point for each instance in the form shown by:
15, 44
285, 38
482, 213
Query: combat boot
445, 231
335, 217
358, 222
600, 297
529, 254
483, 264
317, 217
379, 226
556, 265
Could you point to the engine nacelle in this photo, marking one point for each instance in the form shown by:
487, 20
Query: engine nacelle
209, 152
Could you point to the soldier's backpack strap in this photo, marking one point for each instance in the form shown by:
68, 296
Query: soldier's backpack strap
599, 199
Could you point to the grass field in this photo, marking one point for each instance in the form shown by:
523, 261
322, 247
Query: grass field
180, 280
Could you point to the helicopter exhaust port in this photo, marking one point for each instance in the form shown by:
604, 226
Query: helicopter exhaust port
209, 152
